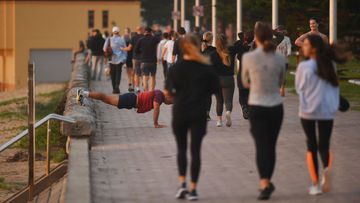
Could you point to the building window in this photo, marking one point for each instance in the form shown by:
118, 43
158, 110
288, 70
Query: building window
91, 14
105, 19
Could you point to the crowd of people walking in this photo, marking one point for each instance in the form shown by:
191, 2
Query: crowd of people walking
194, 71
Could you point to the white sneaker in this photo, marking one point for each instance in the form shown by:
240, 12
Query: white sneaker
314, 190
219, 124
228, 119
325, 182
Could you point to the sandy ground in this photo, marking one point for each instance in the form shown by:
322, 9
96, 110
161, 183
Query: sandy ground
16, 173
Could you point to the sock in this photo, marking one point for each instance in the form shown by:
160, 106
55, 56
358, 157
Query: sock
86, 93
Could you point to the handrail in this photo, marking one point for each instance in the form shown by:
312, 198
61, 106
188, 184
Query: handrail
52, 116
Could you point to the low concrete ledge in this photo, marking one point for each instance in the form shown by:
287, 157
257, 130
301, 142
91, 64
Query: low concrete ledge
78, 188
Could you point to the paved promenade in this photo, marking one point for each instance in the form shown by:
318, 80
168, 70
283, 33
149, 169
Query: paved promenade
131, 161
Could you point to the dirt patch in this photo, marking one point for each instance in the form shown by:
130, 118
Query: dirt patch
13, 120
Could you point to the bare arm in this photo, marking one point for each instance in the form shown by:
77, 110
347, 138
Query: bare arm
245, 72
128, 48
299, 41
156, 115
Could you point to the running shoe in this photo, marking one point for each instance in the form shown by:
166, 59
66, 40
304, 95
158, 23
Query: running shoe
79, 97
265, 194
193, 196
181, 193
325, 182
219, 124
245, 111
228, 119
314, 190
208, 118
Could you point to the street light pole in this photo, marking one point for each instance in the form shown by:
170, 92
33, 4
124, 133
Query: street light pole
175, 20
182, 13
275, 13
238, 16
333, 21
213, 19
197, 18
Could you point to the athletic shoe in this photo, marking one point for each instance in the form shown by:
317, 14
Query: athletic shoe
219, 124
208, 118
228, 119
181, 193
193, 196
79, 97
137, 90
314, 190
245, 111
325, 182
130, 89
265, 194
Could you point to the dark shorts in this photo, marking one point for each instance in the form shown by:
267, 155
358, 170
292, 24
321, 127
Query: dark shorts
148, 69
129, 63
127, 101
137, 67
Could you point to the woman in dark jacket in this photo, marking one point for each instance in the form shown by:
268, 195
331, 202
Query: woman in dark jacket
190, 81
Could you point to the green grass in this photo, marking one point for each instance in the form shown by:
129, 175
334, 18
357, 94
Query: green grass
4, 185
54, 105
348, 90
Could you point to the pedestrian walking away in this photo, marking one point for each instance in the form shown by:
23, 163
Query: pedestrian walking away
96, 44
142, 102
177, 53
159, 52
136, 57
118, 58
129, 64
263, 72
191, 81
284, 48
146, 47
242, 47
168, 50
224, 62
317, 85
314, 30
207, 49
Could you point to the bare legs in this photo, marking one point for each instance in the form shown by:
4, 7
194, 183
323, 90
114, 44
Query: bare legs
131, 77
108, 99
152, 82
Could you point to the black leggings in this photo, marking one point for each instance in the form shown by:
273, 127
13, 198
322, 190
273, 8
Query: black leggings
197, 127
324, 129
265, 124
165, 68
243, 93
225, 95
115, 72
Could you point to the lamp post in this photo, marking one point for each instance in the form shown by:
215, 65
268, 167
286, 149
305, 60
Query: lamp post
275, 13
333, 21
213, 19
175, 20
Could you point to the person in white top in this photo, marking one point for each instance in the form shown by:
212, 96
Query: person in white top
160, 51
284, 48
263, 72
168, 50
314, 30
317, 85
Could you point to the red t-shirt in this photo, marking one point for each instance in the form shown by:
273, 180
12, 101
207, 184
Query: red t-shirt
146, 100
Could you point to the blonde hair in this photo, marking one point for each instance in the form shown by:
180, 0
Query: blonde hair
222, 50
190, 46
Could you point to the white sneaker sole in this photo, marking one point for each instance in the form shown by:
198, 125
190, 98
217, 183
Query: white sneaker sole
181, 194
228, 120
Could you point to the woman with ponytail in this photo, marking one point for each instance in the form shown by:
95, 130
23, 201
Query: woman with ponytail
263, 72
191, 82
224, 62
317, 85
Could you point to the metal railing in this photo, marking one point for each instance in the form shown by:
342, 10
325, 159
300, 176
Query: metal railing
30, 132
